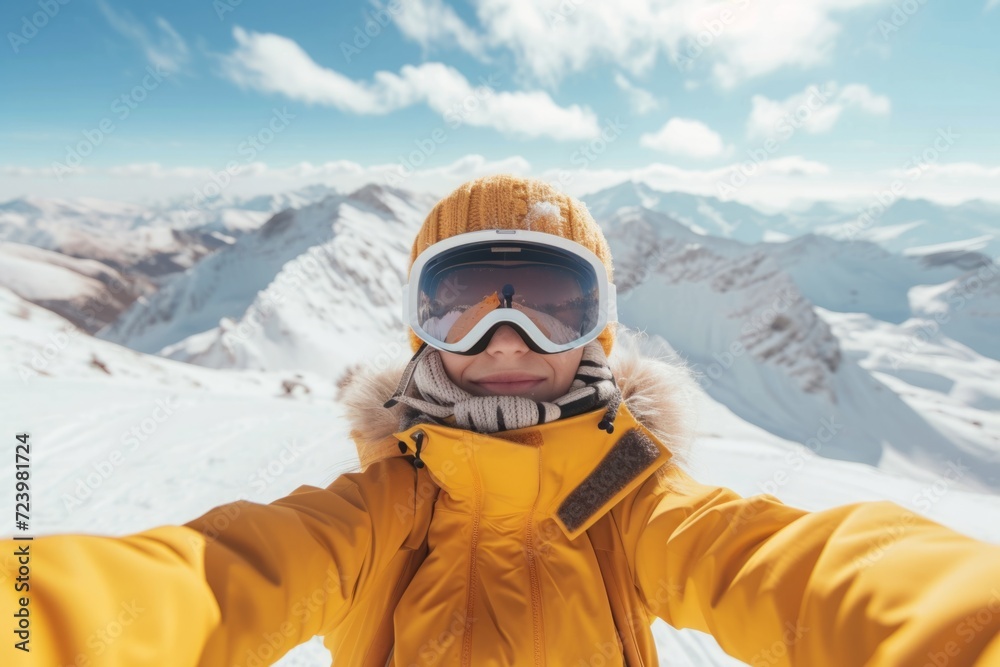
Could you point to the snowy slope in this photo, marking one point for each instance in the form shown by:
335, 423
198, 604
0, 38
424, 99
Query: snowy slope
966, 309
953, 386
763, 352
37, 345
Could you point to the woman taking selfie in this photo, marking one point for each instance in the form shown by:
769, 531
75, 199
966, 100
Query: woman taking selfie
519, 503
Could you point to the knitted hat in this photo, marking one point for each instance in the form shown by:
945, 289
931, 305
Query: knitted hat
504, 201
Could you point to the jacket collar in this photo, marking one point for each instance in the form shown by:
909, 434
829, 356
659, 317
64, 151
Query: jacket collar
568, 469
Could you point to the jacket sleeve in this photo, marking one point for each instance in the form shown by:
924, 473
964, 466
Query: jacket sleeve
869, 583
243, 581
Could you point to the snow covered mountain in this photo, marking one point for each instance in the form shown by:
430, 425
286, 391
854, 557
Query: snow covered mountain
272, 203
84, 291
703, 215
762, 350
912, 225
861, 276
306, 290
905, 226
128, 238
144, 242
952, 291
949, 384
936, 266
199, 212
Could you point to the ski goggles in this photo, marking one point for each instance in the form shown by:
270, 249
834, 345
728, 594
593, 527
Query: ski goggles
553, 292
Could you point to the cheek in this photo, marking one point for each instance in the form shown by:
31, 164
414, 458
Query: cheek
561, 370
455, 366
565, 369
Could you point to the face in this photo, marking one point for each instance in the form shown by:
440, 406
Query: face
509, 367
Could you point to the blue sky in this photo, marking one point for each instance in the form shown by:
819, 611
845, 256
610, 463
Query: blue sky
689, 95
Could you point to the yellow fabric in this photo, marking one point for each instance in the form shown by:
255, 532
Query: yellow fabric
505, 201
504, 581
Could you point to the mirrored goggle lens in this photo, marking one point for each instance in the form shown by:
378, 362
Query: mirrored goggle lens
557, 291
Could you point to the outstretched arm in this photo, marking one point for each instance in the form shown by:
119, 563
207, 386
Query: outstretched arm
862, 584
245, 579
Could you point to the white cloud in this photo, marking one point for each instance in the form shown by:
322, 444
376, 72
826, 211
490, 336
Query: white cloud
793, 165
731, 41
168, 50
991, 4
39, 172
815, 110
641, 100
429, 22
683, 136
274, 64
954, 172
151, 182
796, 182
790, 181
774, 182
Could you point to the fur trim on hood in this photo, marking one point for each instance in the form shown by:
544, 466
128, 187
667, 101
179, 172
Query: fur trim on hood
656, 386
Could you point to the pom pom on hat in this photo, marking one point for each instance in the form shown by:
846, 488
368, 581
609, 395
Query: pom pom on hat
504, 201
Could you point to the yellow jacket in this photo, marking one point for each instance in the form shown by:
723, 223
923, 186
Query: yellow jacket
551, 545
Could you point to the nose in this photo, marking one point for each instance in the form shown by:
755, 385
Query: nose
506, 341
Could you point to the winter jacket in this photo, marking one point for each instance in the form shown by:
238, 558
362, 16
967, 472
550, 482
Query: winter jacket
551, 545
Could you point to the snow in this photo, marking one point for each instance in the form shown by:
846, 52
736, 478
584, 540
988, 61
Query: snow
36, 280
965, 309
906, 224
540, 211
349, 250
968, 245
761, 349
155, 240
954, 387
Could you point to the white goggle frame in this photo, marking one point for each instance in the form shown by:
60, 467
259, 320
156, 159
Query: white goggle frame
476, 340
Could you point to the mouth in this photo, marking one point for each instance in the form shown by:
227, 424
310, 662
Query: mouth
508, 383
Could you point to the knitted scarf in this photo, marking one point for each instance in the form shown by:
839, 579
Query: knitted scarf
437, 398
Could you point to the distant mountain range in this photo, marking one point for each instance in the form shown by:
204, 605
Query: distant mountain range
906, 225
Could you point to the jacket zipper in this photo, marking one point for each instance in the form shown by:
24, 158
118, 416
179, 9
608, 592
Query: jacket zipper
471, 604
536, 619
536, 595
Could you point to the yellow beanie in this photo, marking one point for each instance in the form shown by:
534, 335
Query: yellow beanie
504, 201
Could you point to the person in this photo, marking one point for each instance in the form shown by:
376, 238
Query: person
520, 502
